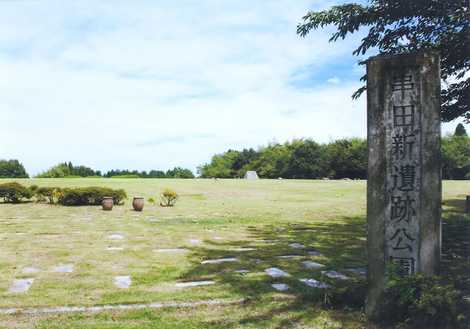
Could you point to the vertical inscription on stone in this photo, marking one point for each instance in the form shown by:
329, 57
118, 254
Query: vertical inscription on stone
403, 158
404, 182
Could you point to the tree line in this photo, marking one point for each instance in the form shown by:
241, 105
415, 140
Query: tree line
307, 159
299, 159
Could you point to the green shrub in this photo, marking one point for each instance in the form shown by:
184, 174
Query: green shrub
90, 196
417, 301
168, 198
14, 192
51, 194
151, 201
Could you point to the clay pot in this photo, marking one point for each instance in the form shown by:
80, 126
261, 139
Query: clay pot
138, 203
107, 203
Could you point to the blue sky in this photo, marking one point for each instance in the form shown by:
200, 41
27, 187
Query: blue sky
157, 84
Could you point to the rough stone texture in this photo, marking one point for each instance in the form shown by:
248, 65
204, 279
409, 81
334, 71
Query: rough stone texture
404, 182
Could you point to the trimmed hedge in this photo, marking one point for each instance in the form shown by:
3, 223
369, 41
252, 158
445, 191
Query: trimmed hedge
51, 194
90, 196
14, 192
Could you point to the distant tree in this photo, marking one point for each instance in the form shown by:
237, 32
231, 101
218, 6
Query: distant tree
307, 160
347, 158
179, 172
455, 157
401, 26
12, 169
67, 169
460, 130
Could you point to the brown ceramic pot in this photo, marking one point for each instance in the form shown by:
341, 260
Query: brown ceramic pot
107, 203
138, 203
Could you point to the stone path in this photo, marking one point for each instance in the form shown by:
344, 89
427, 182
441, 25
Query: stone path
220, 260
315, 283
193, 284
280, 286
335, 275
115, 236
312, 265
172, 250
67, 268
30, 270
296, 245
95, 309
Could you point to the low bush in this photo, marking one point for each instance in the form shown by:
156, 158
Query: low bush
417, 301
14, 192
151, 201
90, 196
49, 194
168, 198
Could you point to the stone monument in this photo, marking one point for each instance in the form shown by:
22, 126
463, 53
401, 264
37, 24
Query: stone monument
251, 175
404, 173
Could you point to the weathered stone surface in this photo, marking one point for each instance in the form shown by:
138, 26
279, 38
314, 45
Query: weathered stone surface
123, 281
115, 236
21, 285
220, 260
404, 183
280, 286
193, 284
296, 245
275, 272
335, 275
312, 265
66, 268
315, 283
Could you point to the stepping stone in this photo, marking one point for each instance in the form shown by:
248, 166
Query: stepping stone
115, 237
314, 253
335, 275
289, 256
21, 285
314, 283
280, 286
172, 250
242, 271
219, 261
242, 249
193, 284
217, 238
29, 270
275, 272
308, 264
67, 268
296, 245
114, 248
122, 282
362, 271
194, 241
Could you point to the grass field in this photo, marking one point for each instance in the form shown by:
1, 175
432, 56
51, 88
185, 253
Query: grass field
251, 221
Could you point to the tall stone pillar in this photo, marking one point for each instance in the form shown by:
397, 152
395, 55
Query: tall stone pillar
404, 173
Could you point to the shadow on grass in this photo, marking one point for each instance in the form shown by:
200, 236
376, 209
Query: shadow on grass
341, 245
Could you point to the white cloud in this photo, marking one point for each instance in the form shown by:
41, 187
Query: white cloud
145, 84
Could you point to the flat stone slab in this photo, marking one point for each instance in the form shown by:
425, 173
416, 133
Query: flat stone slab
172, 250
280, 286
296, 245
289, 256
193, 284
315, 283
218, 238
220, 260
242, 249
194, 241
115, 236
314, 253
312, 265
242, 271
21, 285
275, 272
114, 248
30, 270
66, 268
335, 275
122, 282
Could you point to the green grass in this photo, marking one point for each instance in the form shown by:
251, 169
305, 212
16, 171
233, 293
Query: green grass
267, 215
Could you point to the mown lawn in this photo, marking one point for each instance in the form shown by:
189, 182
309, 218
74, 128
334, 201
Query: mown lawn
213, 219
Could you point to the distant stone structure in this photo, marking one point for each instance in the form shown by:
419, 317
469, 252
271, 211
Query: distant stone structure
251, 175
404, 173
